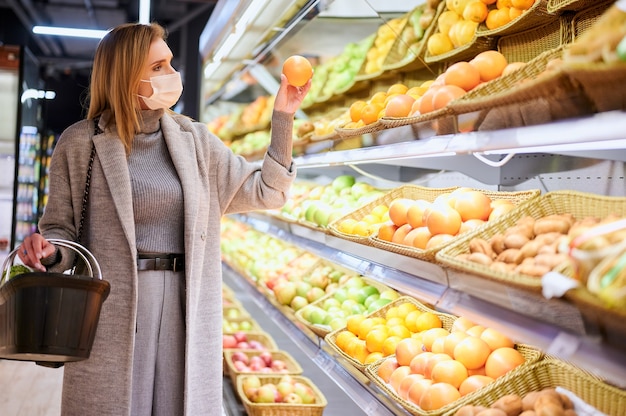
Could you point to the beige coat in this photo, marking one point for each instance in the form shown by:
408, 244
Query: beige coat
214, 182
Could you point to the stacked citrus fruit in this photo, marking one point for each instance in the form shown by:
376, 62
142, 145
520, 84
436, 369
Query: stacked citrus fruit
437, 367
368, 338
423, 224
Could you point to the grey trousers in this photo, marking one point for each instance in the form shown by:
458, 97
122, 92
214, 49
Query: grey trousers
159, 355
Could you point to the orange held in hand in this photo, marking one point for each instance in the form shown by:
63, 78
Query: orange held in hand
298, 70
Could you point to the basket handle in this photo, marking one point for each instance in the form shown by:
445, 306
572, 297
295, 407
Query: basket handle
87, 257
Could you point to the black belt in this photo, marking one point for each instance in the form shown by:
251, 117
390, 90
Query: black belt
161, 261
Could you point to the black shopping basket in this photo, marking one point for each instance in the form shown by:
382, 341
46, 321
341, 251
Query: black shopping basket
51, 318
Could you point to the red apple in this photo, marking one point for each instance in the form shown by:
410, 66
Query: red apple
240, 356
267, 358
250, 384
243, 345
240, 336
305, 392
266, 393
256, 345
278, 365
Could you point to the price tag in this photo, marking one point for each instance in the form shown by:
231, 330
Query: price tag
563, 345
450, 300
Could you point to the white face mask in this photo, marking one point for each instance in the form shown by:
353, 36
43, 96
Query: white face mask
166, 90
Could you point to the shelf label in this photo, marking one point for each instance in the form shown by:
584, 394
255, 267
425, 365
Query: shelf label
563, 345
324, 361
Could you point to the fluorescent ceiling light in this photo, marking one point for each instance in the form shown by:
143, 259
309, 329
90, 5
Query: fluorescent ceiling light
69, 31
144, 11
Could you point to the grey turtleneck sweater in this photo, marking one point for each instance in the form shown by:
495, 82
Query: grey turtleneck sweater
157, 193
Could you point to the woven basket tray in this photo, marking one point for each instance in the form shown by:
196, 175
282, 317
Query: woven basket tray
557, 202
343, 132
323, 330
293, 367
548, 373
254, 325
446, 319
463, 53
560, 6
239, 309
282, 409
414, 58
263, 337
530, 353
602, 83
503, 90
536, 15
516, 197
406, 191
587, 16
529, 44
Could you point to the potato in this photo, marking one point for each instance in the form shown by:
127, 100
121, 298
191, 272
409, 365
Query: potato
469, 410
480, 258
549, 409
492, 412
515, 240
528, 401
511, 404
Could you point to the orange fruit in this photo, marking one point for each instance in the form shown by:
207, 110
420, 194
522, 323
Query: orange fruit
490, 64
461, 324
503, 360
400, 234
500, 209
400, 331
370, 113
443, 219
475, 11
342, 339
497, 18
449, 371
471, 224
397, 88
368, 324
372, 357
430, 335
399, 106
415, 213
407, 349
426, 102
514, 13
475, 331
386, 368
438, 395
496, 339
437, 346
356, 109
298, 70
386, 231
488, 2
472, 352
512, 67
522, 4
398, 209
378, 98
451, 341
353, 322
462, 74
406, 383
438, 240
417, 390
473, 205
398, 375
421, 236
503, 3
445, 94
432, 361
473, 383
420, 361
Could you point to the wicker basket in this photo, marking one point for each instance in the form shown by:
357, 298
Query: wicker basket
587, 16
282, 409
263, 337
548, 373
560, 6
414, 57
343, 132
531, 354
406, 191
557, 202
517, 197
527, 45
323, 330
536, 15
602, 83
254, 325
463, 53
293, 367
446, 319
238, 311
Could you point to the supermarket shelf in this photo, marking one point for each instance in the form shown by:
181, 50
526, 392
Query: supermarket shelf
520, 315
345, 388
599, 136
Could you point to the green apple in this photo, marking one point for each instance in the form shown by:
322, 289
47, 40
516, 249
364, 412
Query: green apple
341, 294
370, 299
356, 294
331, 302
337, 322
318, 316
369, 290
377, 304
355, 281
343, 181
389, 294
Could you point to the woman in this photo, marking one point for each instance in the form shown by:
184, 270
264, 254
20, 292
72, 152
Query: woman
159, 185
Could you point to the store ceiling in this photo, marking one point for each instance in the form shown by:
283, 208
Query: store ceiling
93, 14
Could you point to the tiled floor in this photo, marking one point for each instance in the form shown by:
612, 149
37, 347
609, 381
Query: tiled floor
27, 389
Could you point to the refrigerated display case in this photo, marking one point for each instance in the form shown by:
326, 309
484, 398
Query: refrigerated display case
582, 154
24, 147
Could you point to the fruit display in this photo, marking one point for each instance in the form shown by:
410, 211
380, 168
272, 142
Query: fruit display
265, 395
243, 324
343, 68
354, 295
386, 35
435, 369
242, 340
368, 337
260, 361
325, 203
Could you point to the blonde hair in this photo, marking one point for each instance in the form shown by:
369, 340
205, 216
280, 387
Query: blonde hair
116, 73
